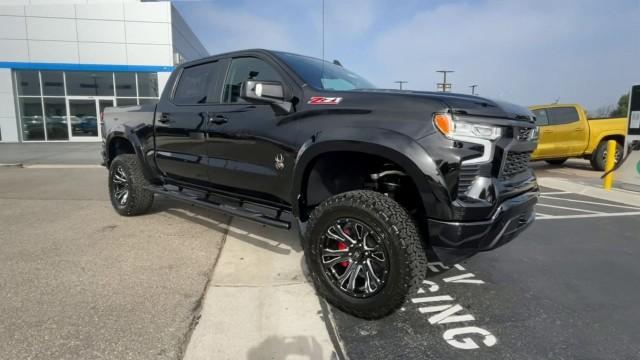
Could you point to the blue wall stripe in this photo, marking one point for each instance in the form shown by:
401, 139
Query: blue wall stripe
82, 67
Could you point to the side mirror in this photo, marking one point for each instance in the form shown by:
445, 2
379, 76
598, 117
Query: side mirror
269, 92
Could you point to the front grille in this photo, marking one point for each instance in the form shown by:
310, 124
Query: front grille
524, 134
515, 163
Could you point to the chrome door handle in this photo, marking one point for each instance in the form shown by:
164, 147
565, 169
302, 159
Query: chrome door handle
218, 119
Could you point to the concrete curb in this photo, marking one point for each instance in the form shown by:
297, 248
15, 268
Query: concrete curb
617, 195
63, 166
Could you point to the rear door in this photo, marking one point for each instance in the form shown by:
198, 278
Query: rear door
570, 132
181, 123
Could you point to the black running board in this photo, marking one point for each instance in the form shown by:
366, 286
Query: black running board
222, 208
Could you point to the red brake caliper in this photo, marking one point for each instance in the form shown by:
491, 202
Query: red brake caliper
342, 246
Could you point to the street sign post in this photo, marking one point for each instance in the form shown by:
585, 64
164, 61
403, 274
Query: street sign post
628, 175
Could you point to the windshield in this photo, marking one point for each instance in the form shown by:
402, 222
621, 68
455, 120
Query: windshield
327, 77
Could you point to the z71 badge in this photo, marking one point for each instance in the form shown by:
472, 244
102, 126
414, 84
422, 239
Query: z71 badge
321, 100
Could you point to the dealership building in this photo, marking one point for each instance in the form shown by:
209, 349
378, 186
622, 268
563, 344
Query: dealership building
62, 62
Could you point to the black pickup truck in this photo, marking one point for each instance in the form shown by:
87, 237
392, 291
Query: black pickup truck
375, 180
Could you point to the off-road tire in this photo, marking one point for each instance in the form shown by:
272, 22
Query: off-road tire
406, 253
139, 199
556, 161
597, 158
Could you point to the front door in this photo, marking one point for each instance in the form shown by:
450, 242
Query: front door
84, 114
248, 152
547, 145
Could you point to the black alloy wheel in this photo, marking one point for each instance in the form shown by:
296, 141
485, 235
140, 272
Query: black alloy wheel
355, 261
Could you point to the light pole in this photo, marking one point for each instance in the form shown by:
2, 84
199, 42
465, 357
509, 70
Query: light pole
473, 89
444, 86
400, 82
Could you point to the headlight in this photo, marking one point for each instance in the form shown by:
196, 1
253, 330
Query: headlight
454, 129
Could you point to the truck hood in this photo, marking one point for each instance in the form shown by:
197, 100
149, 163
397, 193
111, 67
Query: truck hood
466, 104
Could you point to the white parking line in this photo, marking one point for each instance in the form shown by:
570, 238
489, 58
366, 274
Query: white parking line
572, 209
555, 193
592, 202
539, 214
583, 216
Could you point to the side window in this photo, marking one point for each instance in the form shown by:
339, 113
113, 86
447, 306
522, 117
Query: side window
243, 69
199, 84
562, 115
541, 117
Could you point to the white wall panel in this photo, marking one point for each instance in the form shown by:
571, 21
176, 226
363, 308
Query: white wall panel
7, 105
149, 54
101, 31
148, 33
156, 11
100, 11
12, 10
51, 29
64, 2
14, 50
13, 27
53, 51
8, 124
52, 11
103, 53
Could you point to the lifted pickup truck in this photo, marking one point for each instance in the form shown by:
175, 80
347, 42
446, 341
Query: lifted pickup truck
373, 179
566, 132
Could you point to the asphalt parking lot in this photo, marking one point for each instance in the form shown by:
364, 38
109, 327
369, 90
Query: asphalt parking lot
565, 289
78, 281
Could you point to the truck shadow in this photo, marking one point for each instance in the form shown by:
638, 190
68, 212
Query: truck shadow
278, 241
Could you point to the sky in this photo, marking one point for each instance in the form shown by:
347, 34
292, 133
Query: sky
525, 52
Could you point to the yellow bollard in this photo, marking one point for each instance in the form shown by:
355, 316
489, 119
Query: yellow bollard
609, 163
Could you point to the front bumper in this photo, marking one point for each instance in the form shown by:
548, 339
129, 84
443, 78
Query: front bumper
454, 241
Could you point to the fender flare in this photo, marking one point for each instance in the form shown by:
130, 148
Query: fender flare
395, 146
131, 135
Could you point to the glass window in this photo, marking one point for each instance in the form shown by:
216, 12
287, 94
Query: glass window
148, 84
324, 75
541, 117
52, 83
243, 69
89, 83
55, 111
83, 117
28, 83
31, 119
126, 101
126, 84
192, 85
562, 115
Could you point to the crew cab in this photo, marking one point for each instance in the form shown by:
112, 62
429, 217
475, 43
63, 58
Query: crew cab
374, 180
566, 132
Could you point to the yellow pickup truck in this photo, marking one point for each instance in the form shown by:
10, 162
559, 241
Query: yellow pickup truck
565, 132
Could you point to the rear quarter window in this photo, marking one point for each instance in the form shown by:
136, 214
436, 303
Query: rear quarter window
562, 115
199, 84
